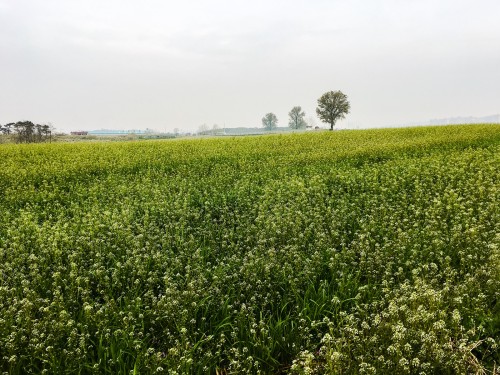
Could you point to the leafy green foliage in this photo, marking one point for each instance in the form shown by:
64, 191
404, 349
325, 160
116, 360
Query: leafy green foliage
348, 252
332, 106
28, 132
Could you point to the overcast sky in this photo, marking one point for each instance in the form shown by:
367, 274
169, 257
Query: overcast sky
165, 64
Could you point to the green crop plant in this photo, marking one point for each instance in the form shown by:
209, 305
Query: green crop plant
349, 252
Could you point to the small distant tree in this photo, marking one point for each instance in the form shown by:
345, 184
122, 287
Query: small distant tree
215, 129
270, 121
22, 132
46, 132
8, 128
47, 129
332, 106
38, 133
296, 116
203, 129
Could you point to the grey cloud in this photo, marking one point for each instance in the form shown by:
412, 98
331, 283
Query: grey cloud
179, 64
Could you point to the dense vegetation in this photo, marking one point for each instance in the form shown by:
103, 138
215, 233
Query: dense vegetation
26, 132
334, 252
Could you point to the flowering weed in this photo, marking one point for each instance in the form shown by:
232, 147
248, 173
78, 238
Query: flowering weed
341, 252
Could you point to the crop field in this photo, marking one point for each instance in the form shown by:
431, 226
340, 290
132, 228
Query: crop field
349, 252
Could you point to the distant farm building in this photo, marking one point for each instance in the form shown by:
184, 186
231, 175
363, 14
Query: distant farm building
79, 132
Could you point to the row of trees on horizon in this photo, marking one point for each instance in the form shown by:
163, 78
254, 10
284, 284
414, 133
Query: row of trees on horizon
332, 106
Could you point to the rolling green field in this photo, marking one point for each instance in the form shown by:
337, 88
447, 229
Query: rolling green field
353, 252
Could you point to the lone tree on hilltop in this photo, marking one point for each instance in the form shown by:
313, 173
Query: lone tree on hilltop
332, 106
297, 118
270, 121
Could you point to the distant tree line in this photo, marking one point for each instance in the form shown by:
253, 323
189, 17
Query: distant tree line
206, 130
332, 106
27, 131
